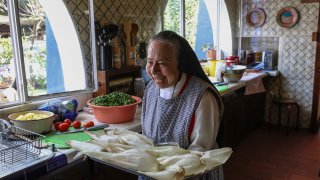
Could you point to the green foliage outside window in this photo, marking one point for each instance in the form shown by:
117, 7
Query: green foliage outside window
5, 51
172, 18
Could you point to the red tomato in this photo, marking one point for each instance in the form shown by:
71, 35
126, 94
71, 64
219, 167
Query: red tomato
76, 124
68, 121
89, 124
56, 125
63, 127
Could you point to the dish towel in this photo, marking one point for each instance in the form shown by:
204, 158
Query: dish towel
253, 82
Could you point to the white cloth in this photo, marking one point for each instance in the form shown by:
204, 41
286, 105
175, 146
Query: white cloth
207, 121
253, 82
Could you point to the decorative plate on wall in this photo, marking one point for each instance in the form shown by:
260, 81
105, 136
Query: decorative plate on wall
287, 17
256, 17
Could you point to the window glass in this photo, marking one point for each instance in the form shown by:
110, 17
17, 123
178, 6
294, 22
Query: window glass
53, 58
172, 16
8, 90
191, 21
43, 57
203, 18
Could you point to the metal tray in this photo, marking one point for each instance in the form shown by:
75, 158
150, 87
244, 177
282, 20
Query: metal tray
131, 171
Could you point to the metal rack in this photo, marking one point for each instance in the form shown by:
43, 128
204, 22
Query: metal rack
19, 148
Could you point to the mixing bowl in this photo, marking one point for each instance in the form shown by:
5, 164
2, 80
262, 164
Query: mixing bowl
115, 114
40, 126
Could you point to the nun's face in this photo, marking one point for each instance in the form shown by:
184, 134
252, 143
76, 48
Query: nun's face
162, 64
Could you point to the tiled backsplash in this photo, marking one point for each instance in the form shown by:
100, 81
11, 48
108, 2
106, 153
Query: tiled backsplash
145, 13
296, 51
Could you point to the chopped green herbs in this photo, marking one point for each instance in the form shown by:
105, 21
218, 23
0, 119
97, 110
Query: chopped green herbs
113, 99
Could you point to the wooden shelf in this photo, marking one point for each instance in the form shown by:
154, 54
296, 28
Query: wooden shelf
104, 78
126, 70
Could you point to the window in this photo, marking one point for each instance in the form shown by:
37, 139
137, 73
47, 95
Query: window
204, 22
46, 58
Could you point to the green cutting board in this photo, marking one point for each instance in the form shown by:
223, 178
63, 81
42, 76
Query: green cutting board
222, 88
60, 139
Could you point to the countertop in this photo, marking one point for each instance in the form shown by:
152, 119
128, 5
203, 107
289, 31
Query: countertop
135, 124
247, 80
66, 156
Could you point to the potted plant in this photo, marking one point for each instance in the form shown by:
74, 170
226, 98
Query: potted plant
210, 51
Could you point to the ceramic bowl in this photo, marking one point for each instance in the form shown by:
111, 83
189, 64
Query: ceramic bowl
40, 126
231, 77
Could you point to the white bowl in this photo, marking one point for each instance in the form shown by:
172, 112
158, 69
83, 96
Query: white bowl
232, 77
40, 126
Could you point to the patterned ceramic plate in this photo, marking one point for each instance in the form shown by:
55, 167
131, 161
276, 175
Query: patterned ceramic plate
256, 17
287, 17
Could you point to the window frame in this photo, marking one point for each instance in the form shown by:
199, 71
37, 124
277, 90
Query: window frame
18, 59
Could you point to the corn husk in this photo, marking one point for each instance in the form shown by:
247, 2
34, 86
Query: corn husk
155, 150
134, 151
85, 146
104, 139
191, 163
131, 138
172, 173
216, 157
134, 159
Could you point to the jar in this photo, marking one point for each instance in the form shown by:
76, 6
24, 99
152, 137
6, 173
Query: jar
139, 87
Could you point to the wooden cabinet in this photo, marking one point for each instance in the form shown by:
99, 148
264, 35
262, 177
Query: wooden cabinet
242, 115
87, 169
105, 77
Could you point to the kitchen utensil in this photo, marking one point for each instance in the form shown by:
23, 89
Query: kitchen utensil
127, 31
143, 51
98, 30
133, 34
40, 126
105, 45
97, 127
115, 114
221, 84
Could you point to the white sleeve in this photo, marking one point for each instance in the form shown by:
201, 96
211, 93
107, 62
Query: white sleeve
206, 126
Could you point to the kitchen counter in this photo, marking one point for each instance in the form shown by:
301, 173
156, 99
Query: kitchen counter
237, 122
134, 125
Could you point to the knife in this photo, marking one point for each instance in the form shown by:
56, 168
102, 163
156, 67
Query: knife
97, 127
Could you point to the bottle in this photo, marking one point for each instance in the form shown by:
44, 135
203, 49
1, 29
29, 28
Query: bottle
139, 87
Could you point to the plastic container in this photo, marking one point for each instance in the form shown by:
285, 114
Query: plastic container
212, 67
115, 114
